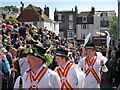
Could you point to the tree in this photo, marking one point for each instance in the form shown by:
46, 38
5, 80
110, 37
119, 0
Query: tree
8, 8
113, 29
11, 20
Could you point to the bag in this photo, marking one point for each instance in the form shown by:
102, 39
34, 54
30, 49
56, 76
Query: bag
20, 83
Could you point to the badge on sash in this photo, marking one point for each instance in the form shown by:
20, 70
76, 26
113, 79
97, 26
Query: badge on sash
63, 79
90, 67
34, 84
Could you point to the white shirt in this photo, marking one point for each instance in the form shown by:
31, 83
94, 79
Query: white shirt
75, 76
23, 65
49, 80
90, 80
101, 57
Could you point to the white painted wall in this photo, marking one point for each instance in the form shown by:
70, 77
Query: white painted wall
83, 31
50, 26
29, 23
96, 25
15, 15
93, 28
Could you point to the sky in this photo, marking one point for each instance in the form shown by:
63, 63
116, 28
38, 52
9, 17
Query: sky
83, 5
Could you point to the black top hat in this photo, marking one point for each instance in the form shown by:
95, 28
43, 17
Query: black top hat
90, 45
62, 52
36, 51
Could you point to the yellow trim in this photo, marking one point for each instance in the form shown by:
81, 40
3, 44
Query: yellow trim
87, 72
40, 55
41, 74
89, 47
61, 54
95, 75
60, 72
67, 85
92, 63
67, 69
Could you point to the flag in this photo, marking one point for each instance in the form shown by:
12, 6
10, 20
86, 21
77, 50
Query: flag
86, 39
108, 39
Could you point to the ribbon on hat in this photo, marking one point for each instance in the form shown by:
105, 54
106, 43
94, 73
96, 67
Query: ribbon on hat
86, 39
48, 57
28, 49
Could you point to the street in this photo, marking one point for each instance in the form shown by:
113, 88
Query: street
106, 84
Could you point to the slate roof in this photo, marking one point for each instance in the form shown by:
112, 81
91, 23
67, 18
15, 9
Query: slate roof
87, 13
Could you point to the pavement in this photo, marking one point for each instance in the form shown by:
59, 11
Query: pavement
106, 84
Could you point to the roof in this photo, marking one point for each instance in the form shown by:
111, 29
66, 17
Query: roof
46, 18
87, 13
35, 7
65, 11
33, 13
28, 15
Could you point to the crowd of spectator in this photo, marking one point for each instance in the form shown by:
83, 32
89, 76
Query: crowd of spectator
15, 38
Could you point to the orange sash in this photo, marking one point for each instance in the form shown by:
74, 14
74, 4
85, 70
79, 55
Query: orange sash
37, 79
90, 64
63, 76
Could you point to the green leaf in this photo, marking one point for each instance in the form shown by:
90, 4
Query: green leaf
48, 59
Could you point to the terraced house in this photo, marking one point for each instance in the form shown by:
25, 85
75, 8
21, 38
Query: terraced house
74, 25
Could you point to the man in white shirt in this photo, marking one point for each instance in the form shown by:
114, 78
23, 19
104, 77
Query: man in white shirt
38, 75
71, 75
91, 65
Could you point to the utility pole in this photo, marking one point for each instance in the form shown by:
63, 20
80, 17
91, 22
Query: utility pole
118, 38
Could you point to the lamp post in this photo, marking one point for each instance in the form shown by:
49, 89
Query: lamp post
118, 37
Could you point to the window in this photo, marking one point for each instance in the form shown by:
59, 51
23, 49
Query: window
70, 34
104, 23
106, 14
42, 14
103, 14
70, 17
84, 19
82, 36
59, 16
35, 23
70, 25
84, 26
61, 34
59, 21
81, 26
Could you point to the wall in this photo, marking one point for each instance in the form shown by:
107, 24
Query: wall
83, 31
50, 26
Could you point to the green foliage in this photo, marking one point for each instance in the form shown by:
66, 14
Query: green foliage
8, 8
3, 9
11, 20
48, 59
113, 28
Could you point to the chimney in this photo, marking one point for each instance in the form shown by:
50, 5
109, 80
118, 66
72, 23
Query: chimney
21, 8
55, 9
72, 9
46, 11
76, 9
93, 10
